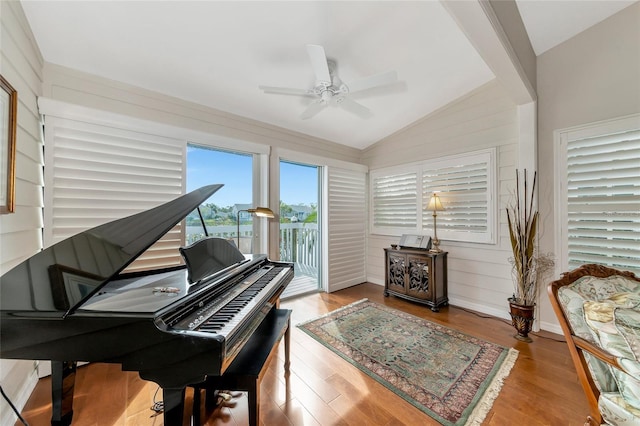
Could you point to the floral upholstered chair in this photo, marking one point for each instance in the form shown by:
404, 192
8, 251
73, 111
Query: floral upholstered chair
599, 311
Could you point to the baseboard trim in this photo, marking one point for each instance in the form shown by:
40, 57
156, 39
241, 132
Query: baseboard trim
476, 307
554, 328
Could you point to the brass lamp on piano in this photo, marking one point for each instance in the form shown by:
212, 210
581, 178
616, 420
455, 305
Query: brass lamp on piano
174, 326
258, 211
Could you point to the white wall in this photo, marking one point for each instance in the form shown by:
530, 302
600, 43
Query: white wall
76, 87
21, 231
478, 274
592, 77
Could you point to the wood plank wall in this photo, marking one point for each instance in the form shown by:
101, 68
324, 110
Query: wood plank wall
479, 274
21, 231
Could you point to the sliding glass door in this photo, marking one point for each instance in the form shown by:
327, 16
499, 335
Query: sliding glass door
300, 189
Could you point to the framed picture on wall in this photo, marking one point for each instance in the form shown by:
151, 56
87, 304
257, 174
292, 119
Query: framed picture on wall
8, 120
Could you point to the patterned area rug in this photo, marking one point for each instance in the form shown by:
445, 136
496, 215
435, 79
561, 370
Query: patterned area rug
451, 376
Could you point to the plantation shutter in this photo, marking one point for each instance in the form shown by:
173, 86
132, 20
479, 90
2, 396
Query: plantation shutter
96, 173
395, 199
603, 197
346, 230
464, 189
465, 184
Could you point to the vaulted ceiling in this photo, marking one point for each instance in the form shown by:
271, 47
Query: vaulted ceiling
217, 53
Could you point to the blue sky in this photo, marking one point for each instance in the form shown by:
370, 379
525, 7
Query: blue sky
205, 167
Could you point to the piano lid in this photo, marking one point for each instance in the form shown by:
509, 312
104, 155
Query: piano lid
87, 261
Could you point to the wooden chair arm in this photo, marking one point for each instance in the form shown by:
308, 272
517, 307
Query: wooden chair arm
597, 352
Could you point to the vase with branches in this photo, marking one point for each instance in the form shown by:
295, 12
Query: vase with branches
528, 265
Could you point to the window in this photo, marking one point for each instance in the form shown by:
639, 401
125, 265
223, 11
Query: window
599, 194
465, 184
205, 166
465, 187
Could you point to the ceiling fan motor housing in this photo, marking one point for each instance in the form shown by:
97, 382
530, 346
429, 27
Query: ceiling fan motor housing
330, 89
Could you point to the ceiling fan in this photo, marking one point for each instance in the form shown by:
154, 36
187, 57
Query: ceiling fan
329, 89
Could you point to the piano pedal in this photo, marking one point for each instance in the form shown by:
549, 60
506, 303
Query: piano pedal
158, 406
223, 399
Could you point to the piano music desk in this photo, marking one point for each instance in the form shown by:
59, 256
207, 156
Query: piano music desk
248, 368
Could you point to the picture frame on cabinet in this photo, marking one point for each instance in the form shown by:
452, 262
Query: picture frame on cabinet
8, 124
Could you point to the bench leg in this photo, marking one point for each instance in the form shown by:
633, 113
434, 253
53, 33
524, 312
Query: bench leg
253, 396
197, 398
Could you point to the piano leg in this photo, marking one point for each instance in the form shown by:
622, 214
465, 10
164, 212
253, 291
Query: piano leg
287, 345
63, 379
173, 399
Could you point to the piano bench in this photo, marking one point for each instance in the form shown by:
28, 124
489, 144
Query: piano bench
248, 368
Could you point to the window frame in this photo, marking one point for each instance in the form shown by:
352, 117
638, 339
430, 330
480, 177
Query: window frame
260, 179
423, 223
562, 137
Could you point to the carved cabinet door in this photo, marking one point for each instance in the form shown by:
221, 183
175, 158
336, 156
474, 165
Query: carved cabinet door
418, 284
396, 270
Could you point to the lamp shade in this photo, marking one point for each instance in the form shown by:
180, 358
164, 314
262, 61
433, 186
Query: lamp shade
434, 203
262, 212
258, 211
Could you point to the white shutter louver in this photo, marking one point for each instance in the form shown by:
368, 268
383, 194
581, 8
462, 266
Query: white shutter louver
346, 228
98, 173
463, 190
603, 196
465, 184
395, 200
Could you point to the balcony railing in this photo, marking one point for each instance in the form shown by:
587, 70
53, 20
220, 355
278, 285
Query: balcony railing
298, 241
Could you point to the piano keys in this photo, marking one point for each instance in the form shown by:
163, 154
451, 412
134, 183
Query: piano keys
175, 326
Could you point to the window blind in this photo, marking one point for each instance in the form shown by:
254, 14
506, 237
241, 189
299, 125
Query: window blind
395, 200
603, 200
465, 184
346, 230
464, 190
96, 173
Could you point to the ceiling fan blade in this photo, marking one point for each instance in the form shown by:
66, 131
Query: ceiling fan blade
313, 109
354, 107
372, 81
286, 91
319, 64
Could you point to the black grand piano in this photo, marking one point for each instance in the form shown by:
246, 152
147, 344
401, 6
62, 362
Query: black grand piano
175, 326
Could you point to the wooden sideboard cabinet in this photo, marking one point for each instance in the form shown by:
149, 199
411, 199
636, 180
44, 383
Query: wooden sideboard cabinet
417, 275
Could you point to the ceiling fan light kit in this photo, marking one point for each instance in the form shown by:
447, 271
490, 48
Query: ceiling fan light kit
329, 89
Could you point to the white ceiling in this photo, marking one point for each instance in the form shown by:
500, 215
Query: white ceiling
216, 53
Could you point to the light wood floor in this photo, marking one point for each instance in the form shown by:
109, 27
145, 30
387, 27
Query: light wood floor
323, 389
